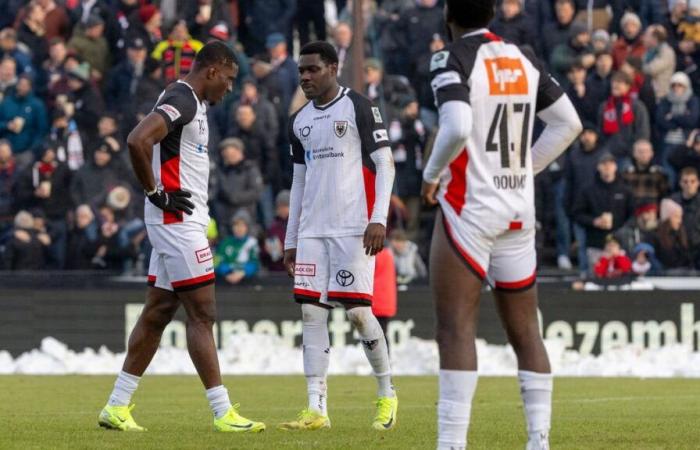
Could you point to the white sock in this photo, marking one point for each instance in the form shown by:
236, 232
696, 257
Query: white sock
316, 345
124, 388
375, 347
218, 400
454, 408
536, 391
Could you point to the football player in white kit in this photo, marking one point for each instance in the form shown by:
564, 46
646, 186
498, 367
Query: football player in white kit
168, 151
481, 174
343, 176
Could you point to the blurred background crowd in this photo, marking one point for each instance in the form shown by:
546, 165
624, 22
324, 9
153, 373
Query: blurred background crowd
77, 75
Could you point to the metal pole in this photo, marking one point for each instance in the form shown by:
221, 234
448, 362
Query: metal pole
358, 46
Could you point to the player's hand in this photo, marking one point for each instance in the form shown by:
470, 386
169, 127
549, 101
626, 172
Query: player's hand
375, 235
174, 202
428, 192
290, 258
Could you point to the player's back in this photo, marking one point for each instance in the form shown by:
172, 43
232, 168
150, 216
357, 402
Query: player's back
491, 181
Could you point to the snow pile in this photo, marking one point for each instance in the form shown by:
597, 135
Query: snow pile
267, 354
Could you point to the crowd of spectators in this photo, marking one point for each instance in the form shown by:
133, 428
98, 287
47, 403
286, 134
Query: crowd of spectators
77, 75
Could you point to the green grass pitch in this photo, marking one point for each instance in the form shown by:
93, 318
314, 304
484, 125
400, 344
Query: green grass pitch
60, 412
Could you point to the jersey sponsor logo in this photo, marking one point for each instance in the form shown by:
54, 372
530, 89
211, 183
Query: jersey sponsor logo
340, 127
506, 76
439, 60
377, 115
203, 255
305, 270
305, 131
380, 135
170, 111
344, 278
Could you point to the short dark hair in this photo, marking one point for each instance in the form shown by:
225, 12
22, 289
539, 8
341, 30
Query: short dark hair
323, 49
471, 13
213, 53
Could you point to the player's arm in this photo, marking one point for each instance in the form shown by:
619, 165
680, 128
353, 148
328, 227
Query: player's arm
170, 112
558, 113
451, 92
296, 195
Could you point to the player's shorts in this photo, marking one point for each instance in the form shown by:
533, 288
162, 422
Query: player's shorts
331, 271
181, 259
505, 258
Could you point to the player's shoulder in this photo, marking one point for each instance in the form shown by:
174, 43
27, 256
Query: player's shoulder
358, 99
458, 54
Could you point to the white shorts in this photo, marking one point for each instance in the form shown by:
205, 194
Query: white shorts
333, 270
505, 258
181, 259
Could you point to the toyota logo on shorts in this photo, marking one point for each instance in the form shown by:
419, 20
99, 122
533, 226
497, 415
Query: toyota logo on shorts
344, 278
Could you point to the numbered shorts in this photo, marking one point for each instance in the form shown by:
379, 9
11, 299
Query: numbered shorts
181, 259
332, 271
506, 259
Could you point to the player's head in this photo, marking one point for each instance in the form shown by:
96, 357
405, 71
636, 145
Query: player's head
468, 14
318, 69
217, 64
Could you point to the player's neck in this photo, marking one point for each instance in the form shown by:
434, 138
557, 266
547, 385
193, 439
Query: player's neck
195, 83
328, 96
457, 31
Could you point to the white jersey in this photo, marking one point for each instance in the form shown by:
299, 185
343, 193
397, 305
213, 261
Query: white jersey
490, 182
335, 142
181, 159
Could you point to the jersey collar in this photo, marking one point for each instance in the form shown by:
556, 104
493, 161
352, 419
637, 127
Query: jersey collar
475, 33
341, 92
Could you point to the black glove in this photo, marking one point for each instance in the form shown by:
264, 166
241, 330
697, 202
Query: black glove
173, 202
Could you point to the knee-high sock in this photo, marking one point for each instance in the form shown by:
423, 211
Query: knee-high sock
316, 345
454, 408
536, 391
374, 343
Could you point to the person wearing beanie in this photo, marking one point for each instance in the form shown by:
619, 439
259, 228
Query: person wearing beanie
639, 228
576, 48
237, 256
671, 240
90, 43
630, 41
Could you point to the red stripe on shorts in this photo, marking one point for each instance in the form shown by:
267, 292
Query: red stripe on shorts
191, 281
307, 293
170, 177
350, 295
457, 187
369, 179
514, 285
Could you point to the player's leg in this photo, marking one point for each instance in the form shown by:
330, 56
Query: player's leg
456, 284
352, 285
515, 292
161, 305
310, 289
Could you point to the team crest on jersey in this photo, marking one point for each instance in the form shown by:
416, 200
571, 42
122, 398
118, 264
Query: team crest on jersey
439, 60
377, 115
506, 76
340, 127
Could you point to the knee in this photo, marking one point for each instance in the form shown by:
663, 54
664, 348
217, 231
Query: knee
312, 315
202, 317
158, 318
360, 317
448, 335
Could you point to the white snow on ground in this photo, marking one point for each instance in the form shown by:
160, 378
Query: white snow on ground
266, 354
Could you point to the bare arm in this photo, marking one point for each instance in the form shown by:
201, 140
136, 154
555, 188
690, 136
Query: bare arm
150, 131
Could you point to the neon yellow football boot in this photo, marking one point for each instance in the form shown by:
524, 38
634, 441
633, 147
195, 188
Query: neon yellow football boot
307, 420
118, 418
387, 407
235, 423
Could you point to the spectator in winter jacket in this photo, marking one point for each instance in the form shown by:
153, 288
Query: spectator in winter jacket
409, 265
236, 256
388, 92
147, 26
82, 240
613, 263
513, 24
639, 228
45, 186
630, 41
8, 180
622, 119
603, 206
584, 98
686, 155
237, 185
558, 31
659, 59
23, 121
92, 182
671, 240
31, 32
89, 42
576, 48
273, 249
676, 116
8, 76
27, 248
86, 102
600, 75
65, 138
647, 181
123, 79
10, 49
641, 88
265, 112
261, 18
384, 297
177, 52
689, 199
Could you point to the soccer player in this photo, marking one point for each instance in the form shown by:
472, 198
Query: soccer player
481, 174
343, 175
168, 150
